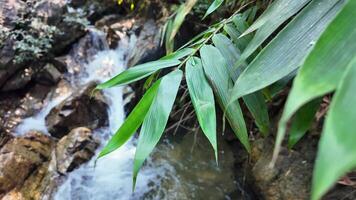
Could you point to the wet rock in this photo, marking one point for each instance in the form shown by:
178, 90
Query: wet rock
84, 51
20, 157
74, 149
78, 110
48, 75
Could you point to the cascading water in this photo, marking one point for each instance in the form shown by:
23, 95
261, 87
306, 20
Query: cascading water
112, 177
175, 170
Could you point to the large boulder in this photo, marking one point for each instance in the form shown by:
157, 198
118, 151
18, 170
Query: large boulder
80, 109
20, 157
74, 149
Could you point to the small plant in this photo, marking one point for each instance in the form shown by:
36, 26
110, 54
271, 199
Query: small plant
233, 60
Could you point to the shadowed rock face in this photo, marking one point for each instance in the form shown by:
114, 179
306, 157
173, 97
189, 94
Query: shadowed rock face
78, 110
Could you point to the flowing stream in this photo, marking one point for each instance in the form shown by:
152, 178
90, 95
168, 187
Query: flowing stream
177, 169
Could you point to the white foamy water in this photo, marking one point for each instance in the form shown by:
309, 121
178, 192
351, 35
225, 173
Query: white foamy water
174, 170
112, 176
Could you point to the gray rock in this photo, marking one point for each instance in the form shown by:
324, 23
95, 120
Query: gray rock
81, 109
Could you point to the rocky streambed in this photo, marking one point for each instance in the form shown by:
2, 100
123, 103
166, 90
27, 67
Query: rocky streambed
52, 126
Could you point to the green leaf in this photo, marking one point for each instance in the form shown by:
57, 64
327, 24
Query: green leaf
156, 118
138, 72
177, 55
198, 37
215, 5
277, 13
337, 151
202, 97
215, 68
255, 102
324, 67
182, 12
169, 44
133, 121
302, 121
287, 51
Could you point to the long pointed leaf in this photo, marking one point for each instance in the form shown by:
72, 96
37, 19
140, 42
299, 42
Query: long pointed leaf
302, 121
156, 118
287, 51
337, 151
133, 121
215, 5
255, 102
215, 68
182, 12
323, 69
270, 20
202, 97
138, 72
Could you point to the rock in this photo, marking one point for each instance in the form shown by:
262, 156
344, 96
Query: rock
19, 80
50, 11
78, 110
147, 47
48, 75
84, 51
10, 10
4, 138
290, 178
74, 149
20, 157
7, 54
95, 8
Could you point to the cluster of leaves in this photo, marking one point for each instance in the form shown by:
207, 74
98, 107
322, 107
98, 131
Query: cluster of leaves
233, 60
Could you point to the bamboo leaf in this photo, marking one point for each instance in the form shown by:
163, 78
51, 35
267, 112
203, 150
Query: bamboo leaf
337, 151
169, 44
323, 69
156, 118
255, 102
287, 51
182, 12
198, 37
177, 55
215, 5
133, 121
277, 13
202, 97
302, 121
138, 72
215, 68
